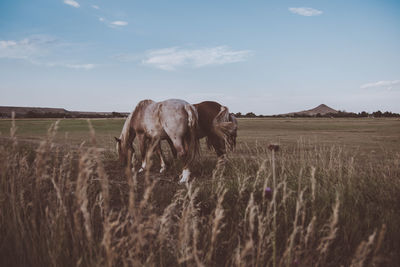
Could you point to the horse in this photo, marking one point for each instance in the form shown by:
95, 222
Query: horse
174, 120
218, 126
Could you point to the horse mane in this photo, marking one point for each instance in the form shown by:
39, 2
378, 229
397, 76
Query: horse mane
126, 131
225, 124
217, 124
128, 134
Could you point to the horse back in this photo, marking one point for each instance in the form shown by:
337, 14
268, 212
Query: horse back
174, 116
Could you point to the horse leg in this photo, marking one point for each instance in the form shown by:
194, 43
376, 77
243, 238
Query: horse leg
221, 154
179, 147
173, 150
162, 159
182, 154
186, 170
220, 149
143, 150
131, 156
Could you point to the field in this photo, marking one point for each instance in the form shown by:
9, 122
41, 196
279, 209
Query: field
328, 197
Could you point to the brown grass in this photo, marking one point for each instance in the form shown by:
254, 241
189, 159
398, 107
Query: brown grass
61, 207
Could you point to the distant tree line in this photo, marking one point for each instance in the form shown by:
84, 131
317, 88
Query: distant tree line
35, 114
339, 114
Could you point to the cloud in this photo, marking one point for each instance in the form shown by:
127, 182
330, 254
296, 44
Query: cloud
79, 66
382, 84
72, 3
113, 24
40, 50
88, 66
127, 57
95, 7
305, 11
175, 57
7, 44
26, 48
119, 23
65, 65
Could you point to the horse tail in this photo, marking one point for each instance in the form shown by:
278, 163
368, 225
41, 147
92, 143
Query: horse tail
225, 127
193, 144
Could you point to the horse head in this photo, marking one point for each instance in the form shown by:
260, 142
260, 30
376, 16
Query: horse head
121, 154
124, 150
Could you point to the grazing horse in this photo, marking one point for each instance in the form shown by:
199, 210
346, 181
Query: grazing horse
174, 120
218, 126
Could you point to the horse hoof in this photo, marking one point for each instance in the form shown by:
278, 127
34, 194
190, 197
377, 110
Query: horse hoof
185, 176
182, 180
140, 170
162, 170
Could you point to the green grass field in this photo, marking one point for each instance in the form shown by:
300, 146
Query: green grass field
333, 198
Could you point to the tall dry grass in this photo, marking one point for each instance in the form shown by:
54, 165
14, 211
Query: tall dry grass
299, 206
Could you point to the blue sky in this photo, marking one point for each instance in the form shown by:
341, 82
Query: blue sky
268, 57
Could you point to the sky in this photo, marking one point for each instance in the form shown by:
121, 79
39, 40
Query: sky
266, 57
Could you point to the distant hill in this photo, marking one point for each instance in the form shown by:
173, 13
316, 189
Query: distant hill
321, 109
20, 111
37, 112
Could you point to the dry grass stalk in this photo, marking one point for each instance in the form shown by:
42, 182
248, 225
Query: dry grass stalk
217, 224
376, 258
188, 229
313, 185
219, 167
273, 149
251, 221
288, 254
81, 191
331, 230
310, 232
169, 223
363, 251
13, 130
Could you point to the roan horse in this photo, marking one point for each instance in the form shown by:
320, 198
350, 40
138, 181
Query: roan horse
173, 120
217, 125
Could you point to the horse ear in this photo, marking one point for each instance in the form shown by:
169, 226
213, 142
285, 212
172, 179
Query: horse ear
117, 139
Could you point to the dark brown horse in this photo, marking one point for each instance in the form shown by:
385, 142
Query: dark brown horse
217, 125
